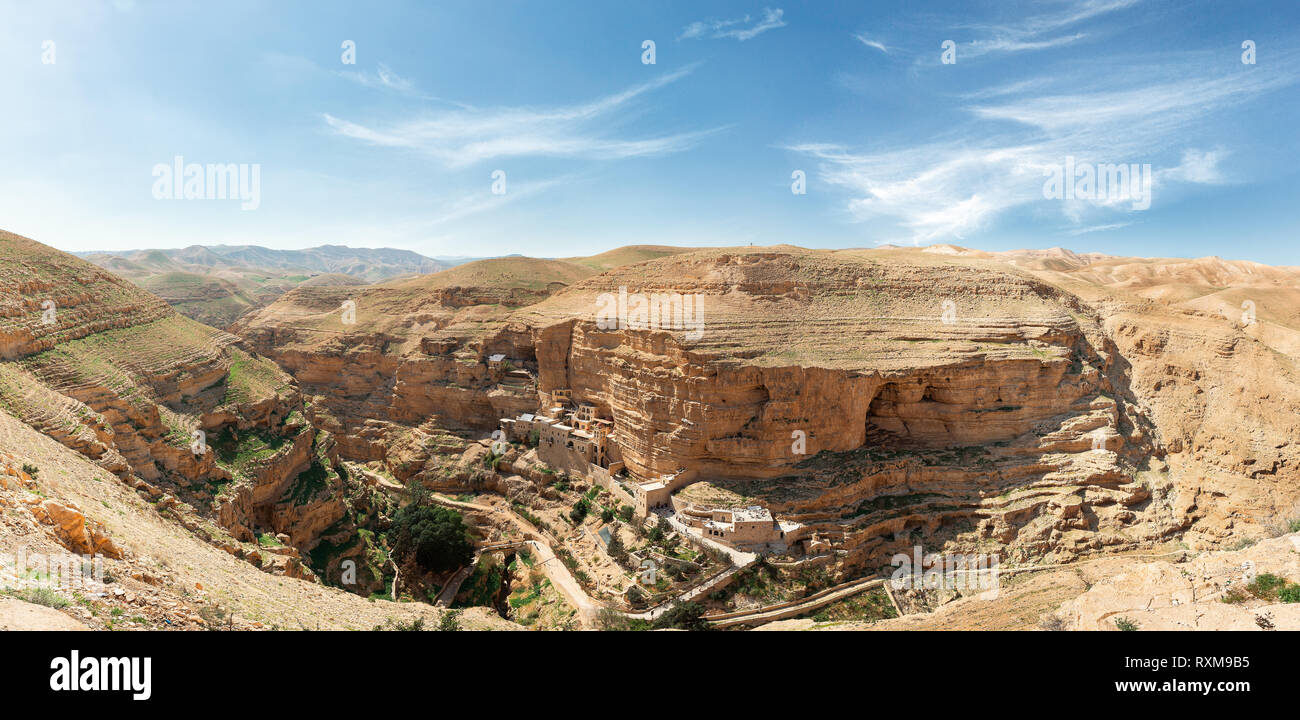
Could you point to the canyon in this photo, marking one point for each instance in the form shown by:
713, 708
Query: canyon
1049, 407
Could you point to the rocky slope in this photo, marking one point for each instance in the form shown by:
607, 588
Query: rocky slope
215, 437
151, 572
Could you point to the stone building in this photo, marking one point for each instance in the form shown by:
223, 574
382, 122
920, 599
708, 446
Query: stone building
574, 440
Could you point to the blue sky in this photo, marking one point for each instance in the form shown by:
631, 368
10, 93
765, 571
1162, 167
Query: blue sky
600, 149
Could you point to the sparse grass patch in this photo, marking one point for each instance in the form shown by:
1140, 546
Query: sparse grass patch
1265, 586
41, 596
1126, 624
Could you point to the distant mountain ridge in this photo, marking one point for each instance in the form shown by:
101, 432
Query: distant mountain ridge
215, 284
369, 264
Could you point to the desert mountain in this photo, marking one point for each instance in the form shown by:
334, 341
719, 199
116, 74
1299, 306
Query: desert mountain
216, 284
368, 264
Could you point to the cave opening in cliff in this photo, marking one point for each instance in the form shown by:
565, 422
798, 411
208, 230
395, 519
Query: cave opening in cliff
884, 427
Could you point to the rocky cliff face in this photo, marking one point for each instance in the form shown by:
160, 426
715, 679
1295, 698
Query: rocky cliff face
884, 398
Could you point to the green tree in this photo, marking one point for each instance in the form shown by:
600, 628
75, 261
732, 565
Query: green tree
616, 549
661, 530
438, 537
682, 616
580, 509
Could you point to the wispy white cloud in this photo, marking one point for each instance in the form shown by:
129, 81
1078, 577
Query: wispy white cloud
384, 78
1197, 167
476, 203
1013, 88
738, 29
948, 188
468, 136
862, 38
1005, 44
1032, 33
1097, 228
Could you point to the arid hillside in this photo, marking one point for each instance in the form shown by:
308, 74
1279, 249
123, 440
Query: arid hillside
214, 437
215, 285
159, 575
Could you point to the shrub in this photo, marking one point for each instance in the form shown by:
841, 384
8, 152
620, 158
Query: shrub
31, 470
625, 513
635, 596
682, 616
41, 596
1052, 623
616, 549
1289, 594
580, 510
660, 530
215, 617
414, 625
1235, 596
613, 620
450, 621
606, 515
1125, 624
1265, 586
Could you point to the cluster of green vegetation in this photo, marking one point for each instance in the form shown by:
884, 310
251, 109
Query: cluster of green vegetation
310, 482
580, 510
251, 378
1126, 624
40, 596
887, 502
412, 625
436, 535
571, 563
660, 532
237, 450
522, 511
617, 552
870, 606
527, 594
680, 616
759, 581
483, 585
325, 550
1265, 586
